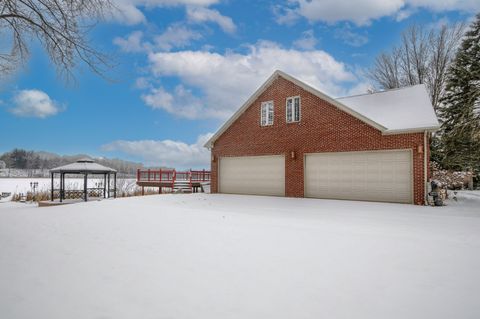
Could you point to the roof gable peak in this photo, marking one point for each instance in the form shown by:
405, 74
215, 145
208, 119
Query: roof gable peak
302, 85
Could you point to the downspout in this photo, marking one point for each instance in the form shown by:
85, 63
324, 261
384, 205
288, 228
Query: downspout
425, 169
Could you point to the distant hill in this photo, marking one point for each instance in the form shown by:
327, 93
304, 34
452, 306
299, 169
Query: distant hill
24, 159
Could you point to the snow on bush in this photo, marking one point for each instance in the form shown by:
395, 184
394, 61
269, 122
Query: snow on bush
451, 179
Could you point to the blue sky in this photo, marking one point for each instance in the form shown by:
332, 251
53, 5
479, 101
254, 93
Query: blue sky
183, 66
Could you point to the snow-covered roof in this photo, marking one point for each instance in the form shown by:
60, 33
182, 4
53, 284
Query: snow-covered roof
84, 165
395, 111
398, 110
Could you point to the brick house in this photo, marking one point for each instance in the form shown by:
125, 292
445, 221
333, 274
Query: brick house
290, 139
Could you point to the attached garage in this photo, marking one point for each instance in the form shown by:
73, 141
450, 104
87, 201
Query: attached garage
371, 147
255, 175
384, 176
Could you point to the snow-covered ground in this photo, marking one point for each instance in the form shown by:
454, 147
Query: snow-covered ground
226, 256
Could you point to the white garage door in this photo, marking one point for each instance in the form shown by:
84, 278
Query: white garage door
257, 175
384, 176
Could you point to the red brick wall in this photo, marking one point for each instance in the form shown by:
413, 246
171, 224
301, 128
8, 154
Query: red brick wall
323, 128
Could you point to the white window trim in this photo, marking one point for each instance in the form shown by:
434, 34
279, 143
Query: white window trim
293, 108
266, 103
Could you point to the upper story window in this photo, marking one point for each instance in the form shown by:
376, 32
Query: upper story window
266, 113
293, 109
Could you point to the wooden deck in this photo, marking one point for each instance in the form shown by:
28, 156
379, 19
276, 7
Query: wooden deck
184, 181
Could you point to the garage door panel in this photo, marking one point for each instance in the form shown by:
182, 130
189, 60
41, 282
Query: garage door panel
257, 175
376, 176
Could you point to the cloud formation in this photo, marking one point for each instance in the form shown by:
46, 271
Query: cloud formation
129, 11
132, 43
202, 15
33, 103
364, 11
226, 80
307, 41
167, 153
176, 36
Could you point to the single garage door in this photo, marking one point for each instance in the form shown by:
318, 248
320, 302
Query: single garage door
256, 175
384, 176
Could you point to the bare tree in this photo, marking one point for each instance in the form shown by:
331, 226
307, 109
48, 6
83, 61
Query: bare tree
422, 57
62, 28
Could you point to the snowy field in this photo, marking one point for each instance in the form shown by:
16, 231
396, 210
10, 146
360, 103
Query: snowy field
226, 256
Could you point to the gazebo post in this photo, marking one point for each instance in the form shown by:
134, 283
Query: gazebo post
63, 183
104, 185
85, 186
51, 190
114, 185
61, 187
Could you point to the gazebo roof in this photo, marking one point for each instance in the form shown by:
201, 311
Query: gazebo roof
81, 166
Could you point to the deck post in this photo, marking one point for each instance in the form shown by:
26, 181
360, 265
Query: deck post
143, 190
114, 185
108, 182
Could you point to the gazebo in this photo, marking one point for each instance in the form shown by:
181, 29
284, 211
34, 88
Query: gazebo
85, 167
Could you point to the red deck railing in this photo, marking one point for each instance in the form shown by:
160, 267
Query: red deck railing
171, 175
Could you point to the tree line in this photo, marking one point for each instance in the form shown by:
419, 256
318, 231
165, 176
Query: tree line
447, 61
24, 159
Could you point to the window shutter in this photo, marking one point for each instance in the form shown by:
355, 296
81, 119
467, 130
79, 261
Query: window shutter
270, 113
263, 115
289, 110
297, 109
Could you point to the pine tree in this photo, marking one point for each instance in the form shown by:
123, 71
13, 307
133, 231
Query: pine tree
460, 106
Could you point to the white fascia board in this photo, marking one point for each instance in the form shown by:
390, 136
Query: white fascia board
412, 130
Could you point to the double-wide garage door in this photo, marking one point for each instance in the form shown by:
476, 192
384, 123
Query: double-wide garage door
384, 176
256, 175
374, 176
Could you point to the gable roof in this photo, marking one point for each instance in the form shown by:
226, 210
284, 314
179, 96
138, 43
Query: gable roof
84, 165
399, 110
361, 109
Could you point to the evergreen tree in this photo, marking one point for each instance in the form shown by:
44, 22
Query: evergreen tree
460, 107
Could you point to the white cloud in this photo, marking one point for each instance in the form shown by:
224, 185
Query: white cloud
181, 102
285, 15
33, 103
361, 12
446, 5
201, 15
158, 98
142, 83
168, 153
176, 36
128, 12
307, 41
227, 80
132, 43
349, 37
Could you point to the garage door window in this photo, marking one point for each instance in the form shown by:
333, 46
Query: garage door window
266, 113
